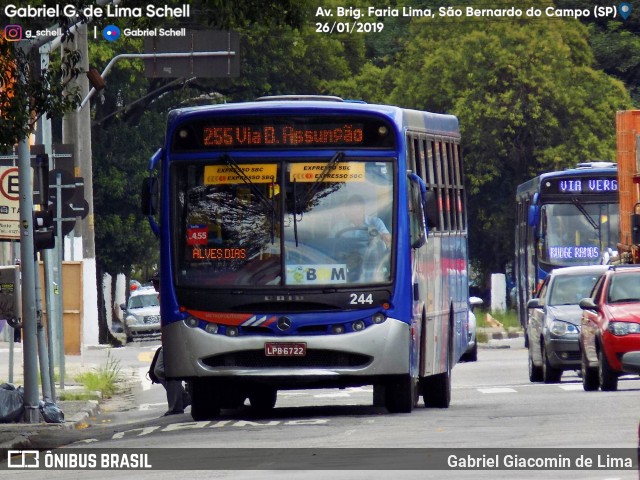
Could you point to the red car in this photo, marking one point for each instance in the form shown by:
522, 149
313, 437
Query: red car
610, 326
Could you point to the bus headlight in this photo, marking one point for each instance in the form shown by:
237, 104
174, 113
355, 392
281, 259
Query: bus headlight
191, 322
378, 318
337, 329
358, 325
232, 331
211, 328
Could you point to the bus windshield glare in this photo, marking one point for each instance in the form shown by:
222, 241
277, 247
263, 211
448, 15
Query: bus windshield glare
577, 233
301, 222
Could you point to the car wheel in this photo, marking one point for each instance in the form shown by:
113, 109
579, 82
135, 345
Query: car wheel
127, 334
471, 355
608, 378
550, 374
590, 378
535, 373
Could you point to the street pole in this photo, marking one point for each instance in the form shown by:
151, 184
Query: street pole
29, 320
77, 131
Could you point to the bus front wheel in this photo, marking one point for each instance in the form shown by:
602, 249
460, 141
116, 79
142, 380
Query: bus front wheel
401, 394
205, 402
263, 399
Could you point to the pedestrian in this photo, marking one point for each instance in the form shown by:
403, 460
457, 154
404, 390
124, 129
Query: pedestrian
177, 397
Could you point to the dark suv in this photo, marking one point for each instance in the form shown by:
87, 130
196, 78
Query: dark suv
610, 327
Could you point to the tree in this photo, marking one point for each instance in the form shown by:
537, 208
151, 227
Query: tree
528, 101
26, 93
615, 43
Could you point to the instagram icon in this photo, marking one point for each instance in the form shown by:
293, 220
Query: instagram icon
13, 33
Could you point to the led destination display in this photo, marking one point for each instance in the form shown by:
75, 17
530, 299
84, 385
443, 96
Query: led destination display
594, 185
283, 132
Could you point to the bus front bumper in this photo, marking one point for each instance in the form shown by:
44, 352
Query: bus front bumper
378, 350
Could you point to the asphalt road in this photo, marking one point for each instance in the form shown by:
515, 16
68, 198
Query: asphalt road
494, 406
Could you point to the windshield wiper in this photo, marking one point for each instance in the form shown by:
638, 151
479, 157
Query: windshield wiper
584, 212
325, 171
311, 192
231, 163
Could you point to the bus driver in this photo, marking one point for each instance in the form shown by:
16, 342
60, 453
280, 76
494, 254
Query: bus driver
360, 226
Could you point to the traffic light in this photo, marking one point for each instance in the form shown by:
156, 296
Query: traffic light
41, 180
44, 232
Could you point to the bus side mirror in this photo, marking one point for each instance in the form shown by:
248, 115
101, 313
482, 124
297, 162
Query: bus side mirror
534, 215
150, 194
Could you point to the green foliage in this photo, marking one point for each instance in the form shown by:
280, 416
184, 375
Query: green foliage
104, 379
508, 319
615, 44
528, 101
29, 94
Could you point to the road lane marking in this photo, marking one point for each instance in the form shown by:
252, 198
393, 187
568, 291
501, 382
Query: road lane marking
571, 387
497, 390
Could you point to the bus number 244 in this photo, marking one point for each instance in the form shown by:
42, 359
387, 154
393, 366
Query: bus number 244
361, 299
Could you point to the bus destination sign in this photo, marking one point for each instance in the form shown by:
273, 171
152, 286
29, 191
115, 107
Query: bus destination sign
282, 133
581, 185
234, 136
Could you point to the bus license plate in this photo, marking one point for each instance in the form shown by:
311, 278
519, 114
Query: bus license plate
285, 349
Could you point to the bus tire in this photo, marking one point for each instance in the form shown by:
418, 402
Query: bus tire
205, 403
379, 395
401, 394
263, 399
436, 389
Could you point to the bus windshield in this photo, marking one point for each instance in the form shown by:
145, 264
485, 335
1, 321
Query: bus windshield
577, 233
267, 222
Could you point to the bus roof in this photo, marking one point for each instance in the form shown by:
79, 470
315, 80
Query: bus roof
442, 124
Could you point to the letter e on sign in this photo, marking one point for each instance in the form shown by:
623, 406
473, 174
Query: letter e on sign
9, 186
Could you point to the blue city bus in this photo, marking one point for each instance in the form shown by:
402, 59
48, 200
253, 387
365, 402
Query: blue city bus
563, 218
294, 251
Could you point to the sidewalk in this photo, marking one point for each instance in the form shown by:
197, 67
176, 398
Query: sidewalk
497, 333
76, 412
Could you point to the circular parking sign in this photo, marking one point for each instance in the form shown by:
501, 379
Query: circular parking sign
9, 184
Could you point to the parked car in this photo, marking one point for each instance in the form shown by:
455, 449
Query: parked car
471, 354
554, 321
141, 313
610, 328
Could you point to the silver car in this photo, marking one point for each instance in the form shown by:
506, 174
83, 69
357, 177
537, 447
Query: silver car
554, 321
141, 313
471, 354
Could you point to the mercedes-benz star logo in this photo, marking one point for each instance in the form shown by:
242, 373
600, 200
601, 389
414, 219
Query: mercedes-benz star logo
284, 324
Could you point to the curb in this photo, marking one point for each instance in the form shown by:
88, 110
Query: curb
82, 410
505, 335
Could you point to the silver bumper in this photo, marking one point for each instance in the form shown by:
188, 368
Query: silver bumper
387, 344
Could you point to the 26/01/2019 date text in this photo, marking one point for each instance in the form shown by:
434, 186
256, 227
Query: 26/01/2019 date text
349, 27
